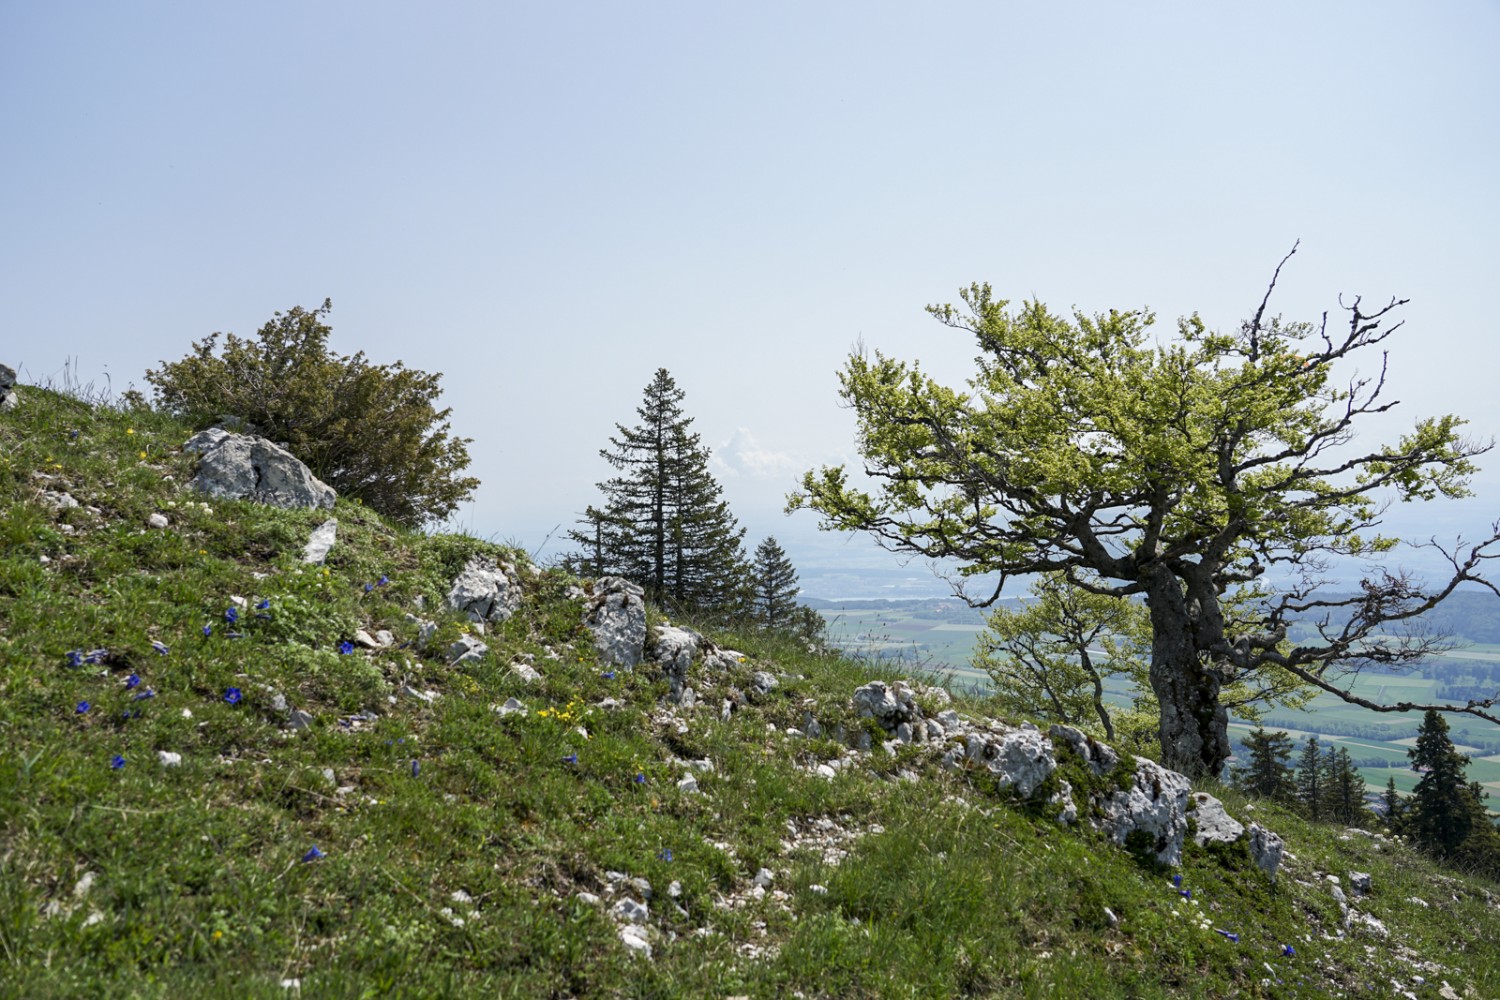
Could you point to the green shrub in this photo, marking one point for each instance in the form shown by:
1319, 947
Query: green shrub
369, 431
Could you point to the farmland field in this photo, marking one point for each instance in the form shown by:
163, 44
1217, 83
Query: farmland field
939, 637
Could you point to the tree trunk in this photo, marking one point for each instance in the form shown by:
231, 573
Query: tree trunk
1194, 730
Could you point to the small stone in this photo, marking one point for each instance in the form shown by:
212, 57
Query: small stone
587, 898
168, 758
365, 639
299, 719
636, 939
328, 775
320, 542
157, 521
763, 682
511, 706
1360, 883
1114, 921
629, 910
459, 896
84, 884
818, 890
825, 771
526, 672
675, 889
688, 785
764, 878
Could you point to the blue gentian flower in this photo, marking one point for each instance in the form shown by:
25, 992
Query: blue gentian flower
665, 854
382, 581
265, 602
83, 707
1235, 938
72, 435
1287, 951
208, 630
640, 779
75, 657
160, 649
132, 681
96, 656
1177, 881
312, 854
1185, 893
116, 762
346, 647
369, 587
608, 675
416, 768
231, 615
232, 695
143, 695
571, 758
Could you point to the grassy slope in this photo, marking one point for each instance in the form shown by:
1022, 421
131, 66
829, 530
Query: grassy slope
198, 883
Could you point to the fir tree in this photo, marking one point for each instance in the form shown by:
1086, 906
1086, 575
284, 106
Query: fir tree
1394, 806
1344, 788
1268, 772
664, 523
775, 583
1310, 778
1442, 806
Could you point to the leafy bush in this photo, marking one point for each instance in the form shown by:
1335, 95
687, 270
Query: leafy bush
369, 431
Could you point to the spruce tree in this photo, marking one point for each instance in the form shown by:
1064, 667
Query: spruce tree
1310, 778
1268, 772
1394, 807
1344, 792
775, 583
664, 523
1442, 808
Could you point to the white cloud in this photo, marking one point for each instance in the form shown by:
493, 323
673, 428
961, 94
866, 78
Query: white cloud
743, 456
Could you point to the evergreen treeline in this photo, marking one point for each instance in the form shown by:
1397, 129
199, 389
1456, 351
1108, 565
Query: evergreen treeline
664, 524
1444, 815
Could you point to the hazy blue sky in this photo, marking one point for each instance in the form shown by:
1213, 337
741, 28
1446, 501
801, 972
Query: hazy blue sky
547, 202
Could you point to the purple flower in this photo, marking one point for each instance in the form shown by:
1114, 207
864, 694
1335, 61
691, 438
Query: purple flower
72, 435
369, 587
208, 630
1177, 881
312, 854
382, 581
1185, 893
1231, 936
346, 647
231, 615
96, 656
116, 762
608, 675
416, 768
143, 695
665, 854
83, 707
640, 779
75, 657
571, 758
1287, 951
133, 681
232, 695
160, 649
265, 602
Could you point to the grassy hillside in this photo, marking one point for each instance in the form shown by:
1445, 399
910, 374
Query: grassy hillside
414, 841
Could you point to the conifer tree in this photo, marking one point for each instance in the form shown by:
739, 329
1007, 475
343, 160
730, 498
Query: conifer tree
1268, 772
1344, 788
664, 523
1395, 807
1310, 778
1442, 805
775, 582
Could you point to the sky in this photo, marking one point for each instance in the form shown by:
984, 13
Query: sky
548, 202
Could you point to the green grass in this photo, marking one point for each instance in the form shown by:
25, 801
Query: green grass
198, 884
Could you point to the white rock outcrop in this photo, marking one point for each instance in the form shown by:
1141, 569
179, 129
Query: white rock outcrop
485, 591
246, 467
616, 615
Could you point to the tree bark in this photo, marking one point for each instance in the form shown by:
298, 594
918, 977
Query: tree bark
1194, 730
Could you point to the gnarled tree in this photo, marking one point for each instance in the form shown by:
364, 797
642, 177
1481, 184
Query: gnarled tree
1180, 471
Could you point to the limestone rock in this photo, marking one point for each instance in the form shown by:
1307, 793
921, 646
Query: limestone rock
1360, 883
1021, 758
485, 591
1212, 822
157, 521
1266, 849
466, 650
616, 615
244, 467
889, 705
1155, 804
10, 398
1101, 759
674, 648
320, 542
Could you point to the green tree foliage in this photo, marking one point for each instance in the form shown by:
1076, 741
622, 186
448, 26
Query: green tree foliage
370, 431
1343, 788
1052, 656
1267, 771
1395, 806
1178, 470
664, 523
1311, 788
1442, 808
775, 585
